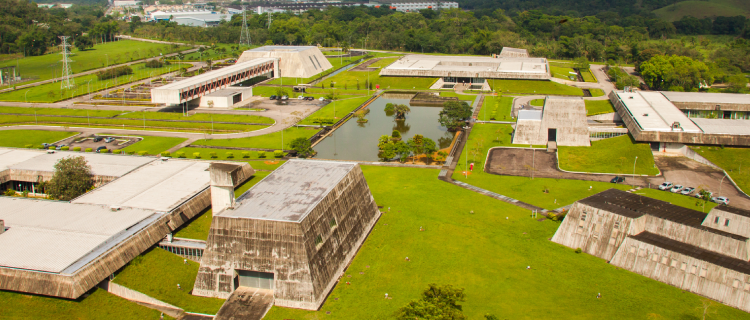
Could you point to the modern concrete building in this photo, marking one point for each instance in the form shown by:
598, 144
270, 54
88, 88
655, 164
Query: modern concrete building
63, 249
294, 232
509, 52
704, 254
226, 98
295, 61
415, 5
561, 122
201, 85
677, 118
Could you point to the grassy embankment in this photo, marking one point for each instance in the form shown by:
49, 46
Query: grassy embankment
497, 105
534, 87
154, 145
496, 283
596, 92
704, 9
537, 102
735, 161
48, 66
342, 108
613, 155
351, 78
23, 138
594, 107
266, 141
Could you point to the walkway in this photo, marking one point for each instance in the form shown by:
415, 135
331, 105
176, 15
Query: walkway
246, 304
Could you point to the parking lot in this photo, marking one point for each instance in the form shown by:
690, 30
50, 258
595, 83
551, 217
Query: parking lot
88, 142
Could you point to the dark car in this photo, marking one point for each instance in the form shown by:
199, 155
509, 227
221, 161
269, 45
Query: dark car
309, 98
97, 139
273, 97
100, 149
617, 179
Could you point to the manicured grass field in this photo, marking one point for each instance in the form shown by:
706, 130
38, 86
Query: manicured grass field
561, 72
596, 92
343, 107
51, 92
157, 273
154, 145
537, 102
132, 124
485, 136
48, 66
497, 105
337, 63
223, 154
676, 199
60, 112
468, 242
702, 9
198, 117
735, 161
99, 305
351, 78
21, 138
613, 155
588, 76
266, 141
464, 97
594, 107
534, 87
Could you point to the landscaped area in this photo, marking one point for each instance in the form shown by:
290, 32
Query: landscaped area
735, 161
266, 141
594, 107
612, 155
153, 145
224, 154
534, 87
341, 107
35, 138
496, 108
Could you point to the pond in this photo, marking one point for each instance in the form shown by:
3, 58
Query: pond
359, 141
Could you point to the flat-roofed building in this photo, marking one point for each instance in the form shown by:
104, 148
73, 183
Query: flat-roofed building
711, 105
294, 232
509, 52
201, 85
561, 122
295, 61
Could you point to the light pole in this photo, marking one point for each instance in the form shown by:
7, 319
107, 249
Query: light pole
107, 61
24, 96
466, 154
720, 182
88, 84
636, 159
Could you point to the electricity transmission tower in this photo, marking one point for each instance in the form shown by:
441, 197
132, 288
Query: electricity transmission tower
244, 34
67, 80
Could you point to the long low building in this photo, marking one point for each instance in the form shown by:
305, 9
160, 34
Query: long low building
707, 254
198, 86
678, 118
561, 122
63, 249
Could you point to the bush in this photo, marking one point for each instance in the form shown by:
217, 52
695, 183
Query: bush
131, 152
50, 148
166, 154
89, 150
154, 64
230, 155
104, 151
114, 72
180, 154
278, 153
261, 154
65, 148
197, 155
142, 153
76, 148
212, 154
29, 146
118, 151
551, 216
578, 250
245, 154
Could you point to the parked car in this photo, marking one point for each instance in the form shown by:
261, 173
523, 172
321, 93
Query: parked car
698, 194
310, 98
273, 97
617, 179
231, 61
721, 200
99, 149
109, 139
676, 188
665, 186
284, 98
687, 190
46, 145
60, 146
301, 98
98, 138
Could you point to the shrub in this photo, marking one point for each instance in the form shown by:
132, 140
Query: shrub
230, 155
154, 64
197, 155
131, 152
89, 150
245, 154
10, 192
261, 154
114, 72
551, 216
212, 154
118, 151
166, 154
278, 153
29, 146
76, 148
142, 153
51, 148
180, 154
65, 148
104, 151
578, 250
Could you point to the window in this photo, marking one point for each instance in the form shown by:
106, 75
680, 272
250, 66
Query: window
747, 286
673, 264
583, 216
703, 272
694, 269
683, 266
642, 252
580, 229
664, 260
716, 220
654, 257
333, 223
318, 240
726, 222
736, 283
632, 249
617, 225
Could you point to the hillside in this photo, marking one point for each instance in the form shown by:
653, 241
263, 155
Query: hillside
702, 9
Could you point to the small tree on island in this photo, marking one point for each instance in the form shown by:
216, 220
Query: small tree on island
454, 114
302, 146
71, 179
437, 302
397, 111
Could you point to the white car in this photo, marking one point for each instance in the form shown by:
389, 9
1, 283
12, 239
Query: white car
665, 186
687, 190
698, 194
721, 200
676, 188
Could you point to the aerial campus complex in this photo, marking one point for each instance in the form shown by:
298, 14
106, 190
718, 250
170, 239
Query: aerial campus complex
269, 202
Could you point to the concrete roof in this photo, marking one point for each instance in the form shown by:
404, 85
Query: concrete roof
509, 49
706, 97
461, 63
52, 236
653, 112
101, 164
158, 186
530, 115
226, 92
290, 192
9, 157
723, 126
215, 74
282, 48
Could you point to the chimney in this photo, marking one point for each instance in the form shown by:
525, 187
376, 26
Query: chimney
2, 226
222, 186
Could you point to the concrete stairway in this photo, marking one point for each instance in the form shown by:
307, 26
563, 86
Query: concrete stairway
551, 146
246, 304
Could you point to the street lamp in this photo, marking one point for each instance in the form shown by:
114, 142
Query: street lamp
24, 96
722, 180
88, 84
466, 154
636, 159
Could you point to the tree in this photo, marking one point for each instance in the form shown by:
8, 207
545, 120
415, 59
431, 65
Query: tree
83, 43
387, 151
302, 146
662, 72
737, 83
581, 63
402, 150
72, 178
429, 147
398, 111
416, 144
454, 114
437, 302
382, 141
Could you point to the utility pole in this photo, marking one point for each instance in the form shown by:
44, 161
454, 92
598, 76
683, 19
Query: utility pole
269, 19
245, 33
67, 80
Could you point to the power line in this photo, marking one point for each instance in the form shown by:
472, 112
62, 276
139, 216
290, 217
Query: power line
245, 33
67, 80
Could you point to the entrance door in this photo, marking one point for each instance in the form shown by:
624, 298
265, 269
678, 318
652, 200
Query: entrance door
727, 114
254, 279
236, 98
552, 135
655, 146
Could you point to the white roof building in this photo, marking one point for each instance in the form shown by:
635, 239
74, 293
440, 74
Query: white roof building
418, 65
295, 61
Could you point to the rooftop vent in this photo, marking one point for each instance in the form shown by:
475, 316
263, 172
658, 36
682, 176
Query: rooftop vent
115, 208
645, 114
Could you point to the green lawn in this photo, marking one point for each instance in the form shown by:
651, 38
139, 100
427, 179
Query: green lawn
588, 76
199, 226
496, 107
51, 92
337, 63
485, 136
22, 138
198, 117
561, 72
464, 97
214, 55
132, 124
596, 92
703, 9
45, 66
343, 107
537, 102
537, 87
350, 79
60, 112
98, 305
157, 272
735, 161
266, 141
154, 145
469, 243
594, 107
613, 155
223, 154
676, 199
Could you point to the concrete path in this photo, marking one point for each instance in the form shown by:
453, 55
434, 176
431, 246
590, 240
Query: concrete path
246, 304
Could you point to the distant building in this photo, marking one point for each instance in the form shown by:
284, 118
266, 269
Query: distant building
509, 52
190, 17
294, 232
414, 6
295, 61
126, 3
562, 122
703, 254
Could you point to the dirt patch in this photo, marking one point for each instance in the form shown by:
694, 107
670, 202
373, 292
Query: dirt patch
271, 162
366, 65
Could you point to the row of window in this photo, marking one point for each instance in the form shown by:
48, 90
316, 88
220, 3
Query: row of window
718, 219
183, 251
319, 238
